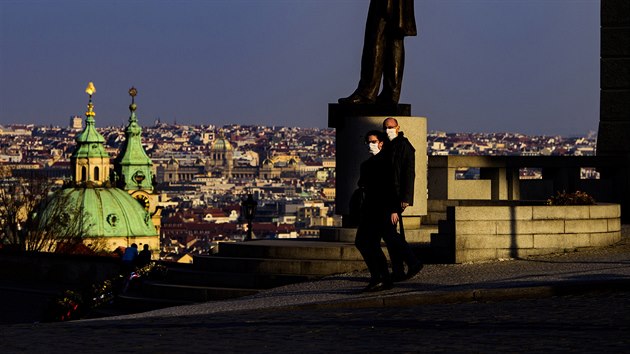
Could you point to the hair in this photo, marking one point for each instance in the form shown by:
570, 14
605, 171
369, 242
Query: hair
377, 133
392, 118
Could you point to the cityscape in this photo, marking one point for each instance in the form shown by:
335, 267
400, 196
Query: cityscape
204, 172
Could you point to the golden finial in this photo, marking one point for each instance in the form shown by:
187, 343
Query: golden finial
90, 90
133, 92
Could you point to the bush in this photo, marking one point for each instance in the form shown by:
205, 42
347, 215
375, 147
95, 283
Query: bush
75, 304
575, 198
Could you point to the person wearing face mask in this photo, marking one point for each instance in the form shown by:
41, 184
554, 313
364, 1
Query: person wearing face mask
374, 213
400, 161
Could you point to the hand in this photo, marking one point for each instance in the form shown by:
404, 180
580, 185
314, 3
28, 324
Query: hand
394, 218
404, 205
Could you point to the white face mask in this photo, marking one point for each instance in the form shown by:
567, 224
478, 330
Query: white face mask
374, 148
391, 133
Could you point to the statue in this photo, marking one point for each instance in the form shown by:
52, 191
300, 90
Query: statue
388, 23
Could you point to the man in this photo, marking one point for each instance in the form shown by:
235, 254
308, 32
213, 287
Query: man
388, 22
144, 257
128, 258
375, 212
400, 156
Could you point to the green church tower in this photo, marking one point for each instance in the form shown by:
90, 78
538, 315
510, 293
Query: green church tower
133, 167
90, 161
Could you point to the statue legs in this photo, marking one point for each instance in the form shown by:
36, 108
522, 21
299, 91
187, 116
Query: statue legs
383, 57
394, 64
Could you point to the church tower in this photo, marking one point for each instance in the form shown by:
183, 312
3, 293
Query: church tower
133, 167
90, 161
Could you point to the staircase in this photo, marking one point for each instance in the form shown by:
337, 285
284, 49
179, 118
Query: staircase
241, 269
245, 268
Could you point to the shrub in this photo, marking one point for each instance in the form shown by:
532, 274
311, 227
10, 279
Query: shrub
575, 198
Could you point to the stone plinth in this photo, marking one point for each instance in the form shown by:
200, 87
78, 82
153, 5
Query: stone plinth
352, 151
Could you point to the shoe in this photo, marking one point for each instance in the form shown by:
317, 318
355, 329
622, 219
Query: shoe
355, 98
371, 284
414, 269
380, 286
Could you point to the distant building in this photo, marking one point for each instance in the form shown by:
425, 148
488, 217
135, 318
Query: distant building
76, 123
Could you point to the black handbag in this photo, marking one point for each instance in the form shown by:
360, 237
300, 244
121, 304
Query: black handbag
356, 203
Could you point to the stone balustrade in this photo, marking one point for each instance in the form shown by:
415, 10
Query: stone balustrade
477, 233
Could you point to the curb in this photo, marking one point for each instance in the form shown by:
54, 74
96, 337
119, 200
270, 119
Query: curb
471, 295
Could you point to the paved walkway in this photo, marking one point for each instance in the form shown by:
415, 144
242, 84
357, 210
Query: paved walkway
564, 302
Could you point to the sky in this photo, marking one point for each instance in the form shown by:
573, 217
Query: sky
526, 66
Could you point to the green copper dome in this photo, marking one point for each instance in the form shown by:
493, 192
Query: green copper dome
107, 212
221, 145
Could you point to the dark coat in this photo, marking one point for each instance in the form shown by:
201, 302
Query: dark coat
399, 14
401, 157
375, 182
404, 17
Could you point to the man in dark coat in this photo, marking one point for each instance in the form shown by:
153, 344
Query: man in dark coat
375, 212
388, 23
400, 156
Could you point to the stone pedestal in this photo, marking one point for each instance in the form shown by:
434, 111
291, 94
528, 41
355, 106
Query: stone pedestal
352, 122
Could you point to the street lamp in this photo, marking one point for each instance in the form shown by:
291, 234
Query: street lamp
248, 209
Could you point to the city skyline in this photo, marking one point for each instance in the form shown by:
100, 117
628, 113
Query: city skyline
523, 66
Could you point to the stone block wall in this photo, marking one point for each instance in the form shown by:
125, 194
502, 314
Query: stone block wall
478, 233
70, 270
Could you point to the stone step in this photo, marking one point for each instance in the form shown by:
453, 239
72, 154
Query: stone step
339, 234
192, 293
231, 280
309, 267
291, 249
432, 218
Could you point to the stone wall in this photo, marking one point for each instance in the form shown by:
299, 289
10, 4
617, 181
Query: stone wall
478, 233
71, 270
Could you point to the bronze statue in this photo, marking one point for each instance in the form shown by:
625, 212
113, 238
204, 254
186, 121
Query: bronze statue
388, 23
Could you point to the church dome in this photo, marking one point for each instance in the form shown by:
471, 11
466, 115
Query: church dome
221, 145
106, 212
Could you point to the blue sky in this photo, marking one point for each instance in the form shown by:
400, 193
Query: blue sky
529, 66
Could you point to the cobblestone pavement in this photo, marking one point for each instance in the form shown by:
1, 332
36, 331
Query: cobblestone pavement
570, 302
576, 323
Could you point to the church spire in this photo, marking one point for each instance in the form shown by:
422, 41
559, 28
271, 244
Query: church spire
133, 166
90, 161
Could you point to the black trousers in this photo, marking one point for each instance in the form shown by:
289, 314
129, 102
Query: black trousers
374, 226
368, 242
400, 253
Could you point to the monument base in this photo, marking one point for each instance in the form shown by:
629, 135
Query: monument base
351, 126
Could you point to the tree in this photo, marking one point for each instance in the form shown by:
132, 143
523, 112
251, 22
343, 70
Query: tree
35, 217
